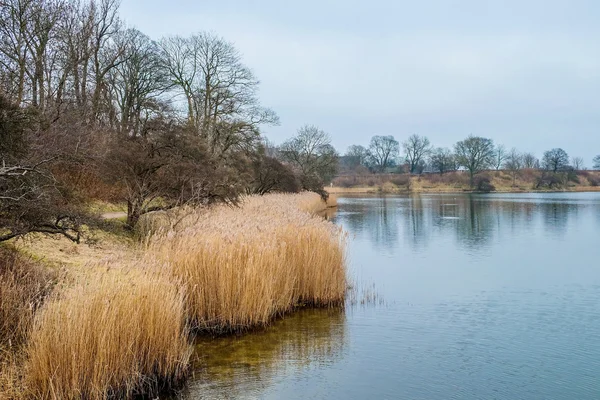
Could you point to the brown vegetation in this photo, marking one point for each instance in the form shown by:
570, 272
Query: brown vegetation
23, 287
527, 179
119, 334
244, 266
121, 327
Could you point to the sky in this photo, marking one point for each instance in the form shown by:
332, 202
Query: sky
525, 73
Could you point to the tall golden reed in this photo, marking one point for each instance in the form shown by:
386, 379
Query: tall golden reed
244, 266
117, 335
123, 329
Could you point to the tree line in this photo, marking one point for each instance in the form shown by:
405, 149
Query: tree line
93, 109
474, 154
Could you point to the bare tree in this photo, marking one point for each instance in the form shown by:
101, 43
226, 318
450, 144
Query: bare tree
137, 83
499, 156
383, 151
416, 148
220, 92
442, 160
311, 154
596, 162
356, 155
31, 199
514, 163
577, 163
15, 21
475, 154
555, 160
530, 161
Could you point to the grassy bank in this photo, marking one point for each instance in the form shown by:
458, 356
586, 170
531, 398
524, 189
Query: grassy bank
119, 323
458, 182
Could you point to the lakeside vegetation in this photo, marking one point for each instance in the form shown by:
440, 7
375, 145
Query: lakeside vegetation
528, 180
261, 259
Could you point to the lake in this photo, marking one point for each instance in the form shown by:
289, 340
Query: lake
456, 297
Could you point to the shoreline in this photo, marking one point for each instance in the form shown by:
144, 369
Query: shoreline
160, 277
336, 190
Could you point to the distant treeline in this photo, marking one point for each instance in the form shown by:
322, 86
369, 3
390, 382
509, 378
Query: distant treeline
474, 154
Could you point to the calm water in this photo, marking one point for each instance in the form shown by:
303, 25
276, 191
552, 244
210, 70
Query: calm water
480, 297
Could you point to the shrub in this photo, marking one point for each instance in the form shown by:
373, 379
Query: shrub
594, 180
400, 180
549, 180
483, 183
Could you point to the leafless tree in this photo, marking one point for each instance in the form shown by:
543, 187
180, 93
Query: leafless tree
313, 157
416, 148
555, 160
530, 161
577, 163
500, 155
443, 160
596, 162
356, 155
514, 163
136, 84
475, 154
383, 151
220, 92
31, 199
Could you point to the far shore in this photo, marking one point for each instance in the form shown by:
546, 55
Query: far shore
337, 190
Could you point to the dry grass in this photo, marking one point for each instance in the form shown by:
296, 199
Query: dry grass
244, 266
117, 335
23, 287
117, 327
452, 182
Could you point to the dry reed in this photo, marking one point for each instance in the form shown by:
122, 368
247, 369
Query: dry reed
117, 335
244, 266
122, 331
23, 287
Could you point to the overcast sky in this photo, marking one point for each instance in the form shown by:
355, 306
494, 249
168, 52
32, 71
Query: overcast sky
525, 73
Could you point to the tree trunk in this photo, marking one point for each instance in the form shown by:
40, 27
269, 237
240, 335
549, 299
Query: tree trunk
134, 211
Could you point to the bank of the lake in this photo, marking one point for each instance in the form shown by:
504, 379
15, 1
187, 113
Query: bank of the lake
524, 181
191, 272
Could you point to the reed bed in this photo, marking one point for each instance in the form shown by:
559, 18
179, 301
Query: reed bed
243, 266
122, 328
117, 335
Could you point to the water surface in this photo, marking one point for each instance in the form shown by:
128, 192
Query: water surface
482, 297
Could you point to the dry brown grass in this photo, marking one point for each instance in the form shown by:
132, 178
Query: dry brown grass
117, 335
244, 266
119, 327
23, 287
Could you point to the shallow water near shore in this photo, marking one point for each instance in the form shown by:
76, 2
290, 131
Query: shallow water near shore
479, 297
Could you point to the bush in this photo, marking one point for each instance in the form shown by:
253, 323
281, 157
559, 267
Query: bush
345, 181
549, 180
483, 183
593, 180
400, 180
